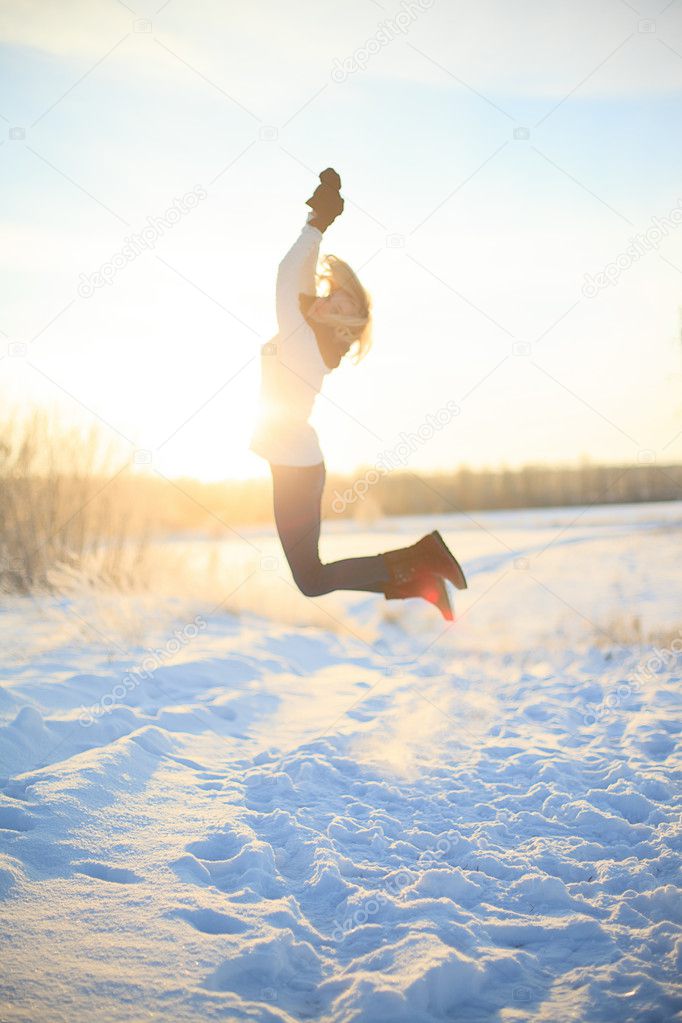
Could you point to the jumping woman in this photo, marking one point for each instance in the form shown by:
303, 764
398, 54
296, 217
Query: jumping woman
315, 332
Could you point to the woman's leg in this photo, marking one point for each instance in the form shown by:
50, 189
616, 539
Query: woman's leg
297, 498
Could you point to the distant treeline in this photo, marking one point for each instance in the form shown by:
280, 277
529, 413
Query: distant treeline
71, 501
529, 487
188, 504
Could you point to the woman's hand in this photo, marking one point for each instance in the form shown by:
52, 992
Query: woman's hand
326, 210
323, 222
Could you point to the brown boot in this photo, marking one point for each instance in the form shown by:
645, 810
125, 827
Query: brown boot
428, 555
428, 587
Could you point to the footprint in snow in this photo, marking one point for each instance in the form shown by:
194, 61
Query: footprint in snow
223, 711
367, 710
103, 872
15, 818
18, 788
221, 845
209, 921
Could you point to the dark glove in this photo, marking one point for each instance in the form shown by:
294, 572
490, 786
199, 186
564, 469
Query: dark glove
326, 201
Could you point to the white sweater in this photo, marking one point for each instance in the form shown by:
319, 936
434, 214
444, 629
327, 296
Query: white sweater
292, 368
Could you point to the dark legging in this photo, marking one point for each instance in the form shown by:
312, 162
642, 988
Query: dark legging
297, 496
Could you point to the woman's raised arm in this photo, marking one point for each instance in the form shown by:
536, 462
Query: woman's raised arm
296, 274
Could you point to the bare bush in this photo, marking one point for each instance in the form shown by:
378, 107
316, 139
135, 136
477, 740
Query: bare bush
66, 504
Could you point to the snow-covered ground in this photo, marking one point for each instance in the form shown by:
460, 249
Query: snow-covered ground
221, 800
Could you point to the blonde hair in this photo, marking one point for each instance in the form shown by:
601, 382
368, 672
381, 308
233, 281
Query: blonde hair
356, 330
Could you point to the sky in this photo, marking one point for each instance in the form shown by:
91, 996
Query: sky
513, 205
